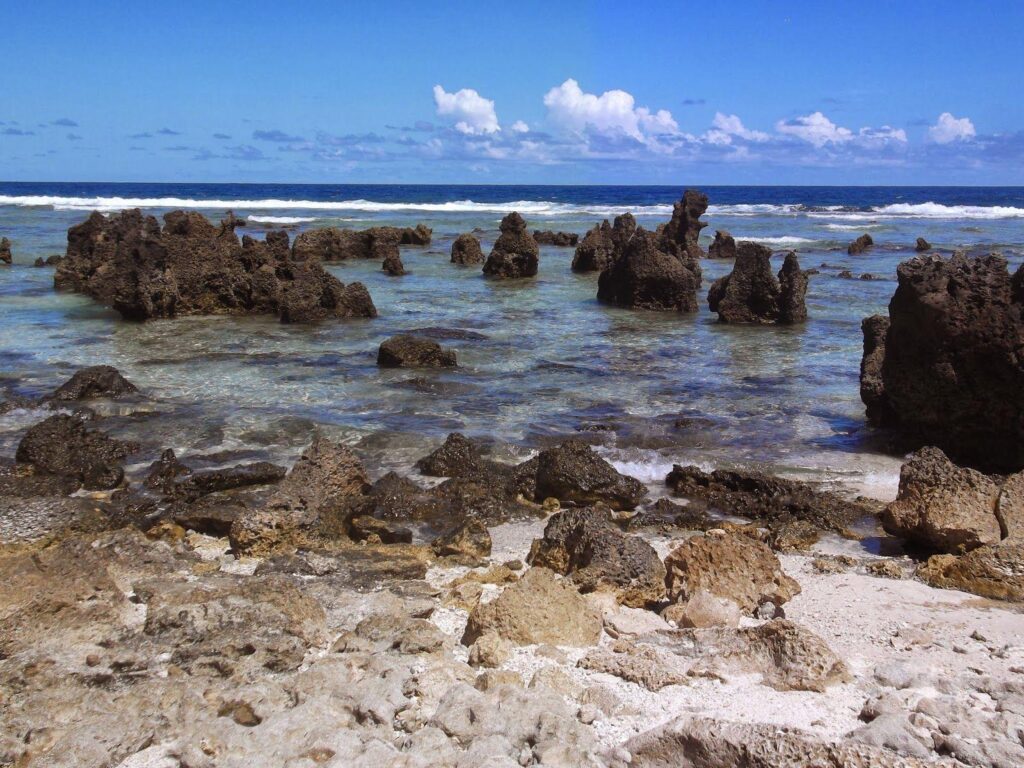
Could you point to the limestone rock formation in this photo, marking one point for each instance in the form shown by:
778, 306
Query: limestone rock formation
466, 250
62, 445
922, 245
752, 294
946, 369
684, 228
573, 472
407, 351
336, 244
723, 246
5, 251
860, 245
560, 239
603, 244
646, 277
515, 253
94, 381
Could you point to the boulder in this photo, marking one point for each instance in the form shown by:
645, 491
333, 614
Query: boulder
560, 239
190, 267
406, 351
860, 245
176, 481
515, 253
684, 228
95, 381
536, 609
366, 528
731, 566
646, 277
335, 244
50, 261
941, 507
703, 609
457, 456
392, 263
466, 250
992, 571
5, 251
470, 540
585, 545
922, 245
752, 294
603, 244
947, 368
62, 445
723, 246
573, 472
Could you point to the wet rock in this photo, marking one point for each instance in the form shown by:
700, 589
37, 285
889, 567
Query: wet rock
364, 527
466, 250
392, 263
470, 540
560, 239
684, 228
603, 244
405, 351
922, 245
845, 274
95, 381
5, 251
585, 545
573, 472
175, 480
536, 609
698, 742
950, 372
943, 508
50, 261
993, 571
190, 267
62, 445
457, 456
515, 253
335, 244
647, 277
860, 245
212, 515
730, 566
723, 246
39, 518
764, 497
752, 294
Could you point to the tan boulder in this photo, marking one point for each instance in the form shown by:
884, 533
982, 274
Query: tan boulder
996, 572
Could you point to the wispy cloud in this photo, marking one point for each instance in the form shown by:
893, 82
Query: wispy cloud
65, 122
276, 135
169, 132
17, 132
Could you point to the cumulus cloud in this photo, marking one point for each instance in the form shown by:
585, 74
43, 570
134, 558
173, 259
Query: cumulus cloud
520, 127
472, 113
612, 113
949, 129
815, 129
725, 128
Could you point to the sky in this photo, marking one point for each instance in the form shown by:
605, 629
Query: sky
755, 92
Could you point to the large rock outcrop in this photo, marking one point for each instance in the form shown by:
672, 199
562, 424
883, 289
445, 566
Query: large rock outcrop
466, 250
336, 244
603, 244
723, 246
560, 239
191, 267
515, 252
947, 367
752, 294
684, 228
647, 277
62, 445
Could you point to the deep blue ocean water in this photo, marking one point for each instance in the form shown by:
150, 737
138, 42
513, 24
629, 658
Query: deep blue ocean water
552, 361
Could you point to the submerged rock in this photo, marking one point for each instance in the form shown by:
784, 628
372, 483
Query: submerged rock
860, 245
191, 267
561, 239
405, 351
752, 294
62, 445
603, 244
645, 277
585, 545
945, 369
515, 253
95, 381
922, 245
723, 246
466, 250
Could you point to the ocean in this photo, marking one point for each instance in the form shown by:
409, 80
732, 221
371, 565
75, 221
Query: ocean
540, 360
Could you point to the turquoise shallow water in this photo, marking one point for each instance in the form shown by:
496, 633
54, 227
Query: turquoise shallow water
543, 359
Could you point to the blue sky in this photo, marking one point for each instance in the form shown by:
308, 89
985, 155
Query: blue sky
764, 92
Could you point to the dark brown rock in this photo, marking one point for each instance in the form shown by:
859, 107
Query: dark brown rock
793, 286
723, 246
335, 244
560, 239
191, 267
948, 369
515, 253
392, 263
406, 351
585, 545
752, 294
573, 472
644, 277
603, 244
364, 527
95, 381
5, 251
684, 228
62, 445
860, 245
469, 540
922, 245
466, 250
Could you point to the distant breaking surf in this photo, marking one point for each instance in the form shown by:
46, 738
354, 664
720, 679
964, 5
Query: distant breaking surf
927, 210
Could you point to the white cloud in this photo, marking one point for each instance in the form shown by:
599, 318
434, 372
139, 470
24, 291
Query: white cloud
472, 112
949, 129
612, 113
884, 135
724, 128
520, 127
815, 129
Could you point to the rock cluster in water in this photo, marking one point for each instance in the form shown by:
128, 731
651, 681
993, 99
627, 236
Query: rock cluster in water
723, 246
191, 267
860, 245
603, 244
560, 239
945, 367
752, 294
515, 253
466, 250
337, 244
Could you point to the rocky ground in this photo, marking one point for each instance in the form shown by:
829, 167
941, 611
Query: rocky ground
252, 616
